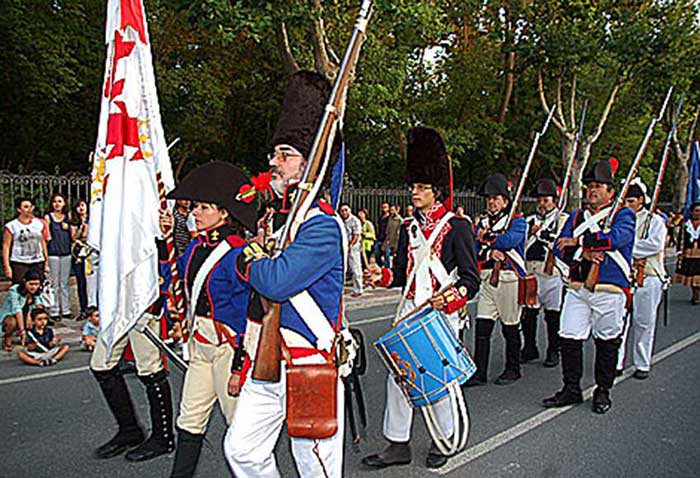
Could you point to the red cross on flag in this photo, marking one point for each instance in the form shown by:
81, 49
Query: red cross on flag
130, 152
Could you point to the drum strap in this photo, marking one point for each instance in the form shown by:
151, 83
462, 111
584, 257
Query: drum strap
423, 254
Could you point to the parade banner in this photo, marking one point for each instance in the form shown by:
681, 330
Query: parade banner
129, 153
692, 195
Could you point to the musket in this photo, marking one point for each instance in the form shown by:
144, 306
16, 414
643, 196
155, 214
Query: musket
594, 272
162, 346
496, 272
561, 204
662, 168
267, 361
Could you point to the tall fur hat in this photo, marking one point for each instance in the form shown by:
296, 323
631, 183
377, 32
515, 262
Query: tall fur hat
427, 160
603, 172
219, 183
302, 110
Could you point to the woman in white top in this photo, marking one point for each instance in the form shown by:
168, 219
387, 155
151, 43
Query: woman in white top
23, 243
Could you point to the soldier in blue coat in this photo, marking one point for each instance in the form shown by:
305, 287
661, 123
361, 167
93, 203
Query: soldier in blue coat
306, 278
496, 243
599, 312
218, 302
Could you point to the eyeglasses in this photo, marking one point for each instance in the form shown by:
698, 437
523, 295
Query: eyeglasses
284, 154
421, 188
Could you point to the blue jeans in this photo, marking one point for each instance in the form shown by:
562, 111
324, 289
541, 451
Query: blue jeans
383, 258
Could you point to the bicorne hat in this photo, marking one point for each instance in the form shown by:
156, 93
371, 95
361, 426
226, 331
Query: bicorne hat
638, 189
603, 172
496, 184
219, 183
546, 187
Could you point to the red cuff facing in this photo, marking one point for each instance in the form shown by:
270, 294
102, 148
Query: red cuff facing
453, 300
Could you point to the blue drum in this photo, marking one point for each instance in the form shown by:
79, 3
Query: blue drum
425, 356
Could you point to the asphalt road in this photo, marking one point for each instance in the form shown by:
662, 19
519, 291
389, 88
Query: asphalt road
51, 419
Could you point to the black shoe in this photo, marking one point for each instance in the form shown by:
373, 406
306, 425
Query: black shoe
619, 372
562, 399
121, 442
601, 401
475, 381
434, 460
528, 355
641, 374
151, 448
394, 454
508, 377
67, 316
552, 360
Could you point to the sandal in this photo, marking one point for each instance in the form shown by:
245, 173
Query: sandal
8, 347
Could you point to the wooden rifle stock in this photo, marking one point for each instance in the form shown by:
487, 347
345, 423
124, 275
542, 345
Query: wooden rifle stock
639, 265
549, 263
496, 273
268, 355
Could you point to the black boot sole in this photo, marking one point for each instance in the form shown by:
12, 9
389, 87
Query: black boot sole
376, 462
137, 455
116, 451
435, 461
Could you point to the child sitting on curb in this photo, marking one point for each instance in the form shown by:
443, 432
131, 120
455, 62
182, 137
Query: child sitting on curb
42, 348
90, 329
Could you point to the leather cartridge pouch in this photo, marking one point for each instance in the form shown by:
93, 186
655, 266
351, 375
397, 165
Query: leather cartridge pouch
312, 398
527, 290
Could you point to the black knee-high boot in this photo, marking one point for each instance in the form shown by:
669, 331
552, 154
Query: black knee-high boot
511, 333
162, 440
529, 325
551, 318
117, 397
605, 363
572, 371
482, 351
189, 447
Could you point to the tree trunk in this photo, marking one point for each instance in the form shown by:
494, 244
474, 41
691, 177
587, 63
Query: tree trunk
681, 183
509, 80
575, 190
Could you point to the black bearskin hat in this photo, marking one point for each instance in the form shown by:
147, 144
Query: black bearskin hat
219, 183
302, 110
426, 159
603, 172
546, 187
495, 184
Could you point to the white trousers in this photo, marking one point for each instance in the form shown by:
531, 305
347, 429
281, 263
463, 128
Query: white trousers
646, 301
599, 313
91, 282
398, 413
250, 440
549, 292
355, 266
59, 276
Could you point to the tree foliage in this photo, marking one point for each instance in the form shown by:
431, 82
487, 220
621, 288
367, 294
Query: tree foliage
470, 68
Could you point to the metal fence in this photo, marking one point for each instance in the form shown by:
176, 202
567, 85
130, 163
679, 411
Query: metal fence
40, 186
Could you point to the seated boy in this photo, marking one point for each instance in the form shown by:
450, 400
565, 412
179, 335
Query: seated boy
42, 348
90, 329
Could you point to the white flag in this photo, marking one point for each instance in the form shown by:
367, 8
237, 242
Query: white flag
130, 155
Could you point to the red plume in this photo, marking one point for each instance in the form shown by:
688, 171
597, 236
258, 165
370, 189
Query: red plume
558, 191
261, 182
614, 164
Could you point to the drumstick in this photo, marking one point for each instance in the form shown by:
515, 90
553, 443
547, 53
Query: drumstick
424, 303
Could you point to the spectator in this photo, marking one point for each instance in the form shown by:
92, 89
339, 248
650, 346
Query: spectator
80, 252
459, 211
353, 227
90, 329
368, 236
59, 248
391, 241
43, 348
21, 299
380, 253
23, 243
184, 229
409, 212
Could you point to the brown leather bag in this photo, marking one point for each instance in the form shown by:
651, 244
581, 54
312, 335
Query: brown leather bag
312, 398
527, 290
